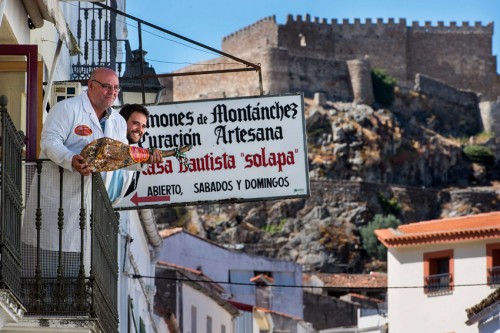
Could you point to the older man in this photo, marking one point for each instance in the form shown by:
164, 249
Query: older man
73, 123
70, 125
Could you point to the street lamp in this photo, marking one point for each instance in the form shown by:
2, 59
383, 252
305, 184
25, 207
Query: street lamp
133, 91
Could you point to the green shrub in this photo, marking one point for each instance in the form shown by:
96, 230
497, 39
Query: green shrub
370, 242
273, 228
389, 206
383, 87
479, 154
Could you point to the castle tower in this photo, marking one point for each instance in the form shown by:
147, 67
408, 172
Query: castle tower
361, 80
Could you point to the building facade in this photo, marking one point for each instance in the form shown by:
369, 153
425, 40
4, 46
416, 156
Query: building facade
440, 264
235, 270
40, 42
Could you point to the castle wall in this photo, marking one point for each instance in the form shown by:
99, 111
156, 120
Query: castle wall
459, 55
281, 73
383, 43
286, 73
310, 55
263, 34
208, 86
490, 116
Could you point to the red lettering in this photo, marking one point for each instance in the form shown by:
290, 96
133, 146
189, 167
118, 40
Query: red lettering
262, 159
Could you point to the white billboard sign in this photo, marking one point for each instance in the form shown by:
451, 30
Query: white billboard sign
243, 149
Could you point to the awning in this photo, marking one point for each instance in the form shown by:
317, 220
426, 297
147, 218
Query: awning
39, 10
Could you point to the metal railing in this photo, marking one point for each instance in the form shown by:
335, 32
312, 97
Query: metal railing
438, 283
10, 201
97, 35
82, 283
70, 260
494, 275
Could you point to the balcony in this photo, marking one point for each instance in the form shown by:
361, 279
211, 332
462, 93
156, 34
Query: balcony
11, 145
57, 287
437, 283
494, 275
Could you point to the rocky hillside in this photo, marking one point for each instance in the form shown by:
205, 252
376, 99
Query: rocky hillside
364, 160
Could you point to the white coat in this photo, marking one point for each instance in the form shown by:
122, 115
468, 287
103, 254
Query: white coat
70, 125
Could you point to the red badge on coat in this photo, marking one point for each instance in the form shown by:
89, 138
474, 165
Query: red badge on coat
83, 130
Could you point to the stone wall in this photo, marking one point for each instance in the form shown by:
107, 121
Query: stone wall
490, 115
326, 312
309, 55
263, 34
281, 74
417, 204
459, 55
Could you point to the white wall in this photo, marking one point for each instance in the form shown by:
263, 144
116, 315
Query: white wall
411, 310
15, 16
205, 306
215, 261
137, 261
371, 323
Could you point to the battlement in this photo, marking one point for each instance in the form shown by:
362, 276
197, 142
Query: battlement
466, 27
453, 28
345, 23
264, 21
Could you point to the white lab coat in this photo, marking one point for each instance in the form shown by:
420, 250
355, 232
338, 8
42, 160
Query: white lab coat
69, 126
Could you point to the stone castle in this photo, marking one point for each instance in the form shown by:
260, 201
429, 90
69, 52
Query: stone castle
311, 56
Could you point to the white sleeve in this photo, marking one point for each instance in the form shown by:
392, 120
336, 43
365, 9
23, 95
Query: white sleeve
56, 129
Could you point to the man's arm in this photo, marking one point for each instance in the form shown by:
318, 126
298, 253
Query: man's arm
56, 129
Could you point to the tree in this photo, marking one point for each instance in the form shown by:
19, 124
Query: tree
370, 242
383, 87
479, 154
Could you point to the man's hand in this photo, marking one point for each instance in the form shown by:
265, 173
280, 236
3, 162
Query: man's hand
155, 156
79, 165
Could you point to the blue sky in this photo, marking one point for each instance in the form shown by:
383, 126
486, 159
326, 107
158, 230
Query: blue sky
208, 21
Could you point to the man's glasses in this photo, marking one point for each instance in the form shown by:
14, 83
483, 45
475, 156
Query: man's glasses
107, 86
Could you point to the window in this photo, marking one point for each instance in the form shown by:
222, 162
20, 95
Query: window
493, 263
209, 324
263, 291
223, 329
302, 40
438, 271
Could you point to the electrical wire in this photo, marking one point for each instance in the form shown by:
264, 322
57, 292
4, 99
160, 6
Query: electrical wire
125, 22
138, 276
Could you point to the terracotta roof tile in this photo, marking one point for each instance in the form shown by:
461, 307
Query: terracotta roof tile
480, 226
202, 276
351, 281
492, 298
182, 268
355, 296
277, 313
169, 232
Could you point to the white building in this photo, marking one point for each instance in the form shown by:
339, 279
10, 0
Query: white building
38, 48
236, 270
189, 301
139, 247
254, 319
437, 269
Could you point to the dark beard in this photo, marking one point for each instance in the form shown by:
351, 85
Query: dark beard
130, 140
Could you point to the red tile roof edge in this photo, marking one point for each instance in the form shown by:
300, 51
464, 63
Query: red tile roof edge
436, 237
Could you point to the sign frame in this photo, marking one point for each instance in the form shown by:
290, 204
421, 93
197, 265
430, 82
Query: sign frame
289, 167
